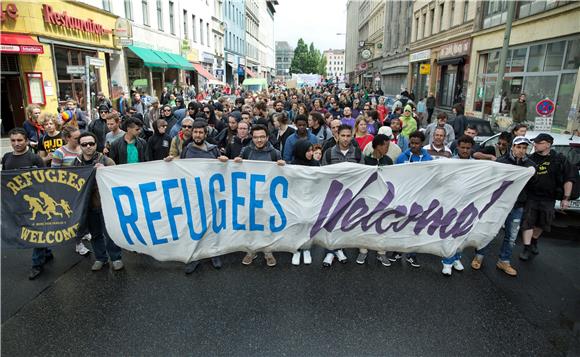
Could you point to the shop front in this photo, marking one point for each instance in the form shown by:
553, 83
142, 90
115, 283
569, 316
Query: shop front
542, 70
453, 70
44, 51
420, 63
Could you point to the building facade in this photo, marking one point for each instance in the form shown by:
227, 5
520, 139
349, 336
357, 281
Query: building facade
397, 36
235, 41
218, 40
440, 58
252, 32
44, 55
351, 41
370, 42
334, 65
543, 59
267, 51
284, 56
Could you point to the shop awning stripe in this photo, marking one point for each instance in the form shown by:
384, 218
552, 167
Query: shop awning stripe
150, 59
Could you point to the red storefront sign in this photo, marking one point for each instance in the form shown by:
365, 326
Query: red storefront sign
16, 43
73, 23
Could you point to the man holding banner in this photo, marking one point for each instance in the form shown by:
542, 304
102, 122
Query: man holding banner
516, 156
103, 246
199, 148
260, 149
22, 157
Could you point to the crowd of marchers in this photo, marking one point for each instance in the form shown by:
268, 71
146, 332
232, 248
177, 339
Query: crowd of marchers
311, 126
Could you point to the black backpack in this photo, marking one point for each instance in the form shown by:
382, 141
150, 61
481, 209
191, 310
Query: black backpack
246, 154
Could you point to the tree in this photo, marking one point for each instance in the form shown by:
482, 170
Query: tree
307, 59
299, 64
322, 66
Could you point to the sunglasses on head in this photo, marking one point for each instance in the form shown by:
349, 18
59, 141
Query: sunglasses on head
88, 144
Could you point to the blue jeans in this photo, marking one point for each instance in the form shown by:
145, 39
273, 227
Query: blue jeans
39, 256
450, 260
102, 243
512, 227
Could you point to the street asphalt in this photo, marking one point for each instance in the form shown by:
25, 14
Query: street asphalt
152, 309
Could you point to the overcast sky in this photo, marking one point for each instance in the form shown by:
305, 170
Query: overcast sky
316, 21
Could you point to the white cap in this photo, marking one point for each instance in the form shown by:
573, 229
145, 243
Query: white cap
386, 130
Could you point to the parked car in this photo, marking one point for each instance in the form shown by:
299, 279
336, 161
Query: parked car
484, 131
565, 144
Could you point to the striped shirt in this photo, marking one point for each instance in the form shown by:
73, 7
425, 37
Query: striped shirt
64, 157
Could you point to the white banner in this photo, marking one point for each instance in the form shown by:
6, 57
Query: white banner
192, 209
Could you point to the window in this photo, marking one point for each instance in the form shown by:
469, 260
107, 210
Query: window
201, 31
145, 7
107, 5
73, 87
452, 14
495, 13
529, 8
572, 55
554, 56
194, 29
159, 15
128, 10
207, 32
465, 10
185, 25
536, 60
432, 17
171, 18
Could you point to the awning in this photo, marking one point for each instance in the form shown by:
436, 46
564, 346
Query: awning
448, 61
15, 43
183, 63
150, 59
168, 59
203, 72
250, 73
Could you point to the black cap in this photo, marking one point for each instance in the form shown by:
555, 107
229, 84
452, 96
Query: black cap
544, 137
103, 108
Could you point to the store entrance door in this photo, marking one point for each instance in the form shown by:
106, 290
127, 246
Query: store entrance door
13, 114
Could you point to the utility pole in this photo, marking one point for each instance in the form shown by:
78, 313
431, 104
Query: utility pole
502, 60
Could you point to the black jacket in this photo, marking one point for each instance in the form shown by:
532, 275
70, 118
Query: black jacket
508, 158
234, 148
157, 145
100, 129
118, 150
300, 149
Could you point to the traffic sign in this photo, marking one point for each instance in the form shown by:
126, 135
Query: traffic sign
545, 107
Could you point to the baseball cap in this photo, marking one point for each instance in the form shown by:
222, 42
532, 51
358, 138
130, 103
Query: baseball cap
386, 130
103, 108
544, 137
521, 140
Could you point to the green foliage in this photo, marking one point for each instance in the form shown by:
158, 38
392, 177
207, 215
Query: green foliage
307, 59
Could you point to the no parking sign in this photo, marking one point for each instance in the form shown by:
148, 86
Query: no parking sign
545, 108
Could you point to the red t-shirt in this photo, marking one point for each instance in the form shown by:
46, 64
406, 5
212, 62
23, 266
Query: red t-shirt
364, 140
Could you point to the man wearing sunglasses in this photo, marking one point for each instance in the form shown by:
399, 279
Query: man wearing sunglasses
103, 246
181, 140
99, 127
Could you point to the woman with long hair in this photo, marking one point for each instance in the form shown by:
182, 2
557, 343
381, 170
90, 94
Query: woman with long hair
361, 134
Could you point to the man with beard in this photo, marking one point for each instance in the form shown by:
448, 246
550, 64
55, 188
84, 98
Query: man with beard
260, 149
199, 148
181, 140
278, 108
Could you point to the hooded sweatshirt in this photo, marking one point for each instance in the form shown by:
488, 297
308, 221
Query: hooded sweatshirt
210, 151
267, 153
407, 156
409, 123
301, 147
158, 144
234, 148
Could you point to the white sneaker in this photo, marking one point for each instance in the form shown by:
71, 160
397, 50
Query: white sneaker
457, 265
87, 236
296, 258
341, 257
447, 269
307, 257
81, 249
328, 260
